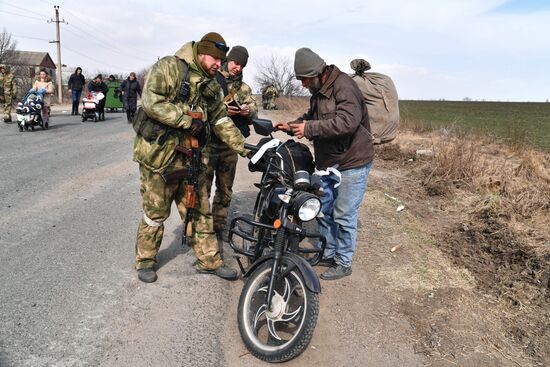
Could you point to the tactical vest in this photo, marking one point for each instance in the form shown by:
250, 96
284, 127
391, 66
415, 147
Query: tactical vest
149, 128
240, 121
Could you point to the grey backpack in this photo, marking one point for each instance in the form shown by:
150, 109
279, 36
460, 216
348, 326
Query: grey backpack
382, 101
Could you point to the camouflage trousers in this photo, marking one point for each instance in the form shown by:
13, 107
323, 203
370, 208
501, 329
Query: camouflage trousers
269, 103
157, 198
223, 164
5, 109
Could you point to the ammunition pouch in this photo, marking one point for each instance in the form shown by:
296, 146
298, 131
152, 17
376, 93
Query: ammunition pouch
148, 128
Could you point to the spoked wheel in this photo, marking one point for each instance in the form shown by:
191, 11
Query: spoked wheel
284, 331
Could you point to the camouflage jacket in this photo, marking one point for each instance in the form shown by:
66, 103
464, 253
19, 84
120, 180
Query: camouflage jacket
270, 92
240, 92
8, 85
160, 101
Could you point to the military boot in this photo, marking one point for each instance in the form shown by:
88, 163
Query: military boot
147, 275
223, 271
219, 237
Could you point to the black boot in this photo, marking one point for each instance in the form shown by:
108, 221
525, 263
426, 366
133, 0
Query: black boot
224, 272
219, 237
147, 275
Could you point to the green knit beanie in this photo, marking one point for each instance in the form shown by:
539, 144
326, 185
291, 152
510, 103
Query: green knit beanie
212, 44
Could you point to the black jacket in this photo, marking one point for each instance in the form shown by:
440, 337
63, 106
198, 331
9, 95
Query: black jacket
131, 88
76, 82
98, 87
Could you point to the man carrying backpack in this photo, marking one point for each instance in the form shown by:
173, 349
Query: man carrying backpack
338, 124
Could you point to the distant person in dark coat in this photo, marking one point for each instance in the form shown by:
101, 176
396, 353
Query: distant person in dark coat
130, 89
76, 84
98, 85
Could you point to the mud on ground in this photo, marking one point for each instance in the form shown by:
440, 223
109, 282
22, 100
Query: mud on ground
489, 304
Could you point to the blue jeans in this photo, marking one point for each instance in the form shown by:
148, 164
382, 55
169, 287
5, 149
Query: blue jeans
340, 207
75, 94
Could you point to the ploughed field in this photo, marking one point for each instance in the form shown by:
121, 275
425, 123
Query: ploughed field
516, 122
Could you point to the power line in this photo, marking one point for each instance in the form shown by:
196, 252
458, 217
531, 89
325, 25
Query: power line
22, 15
107, 47
20, 8
91, 58
98, 30
31, 38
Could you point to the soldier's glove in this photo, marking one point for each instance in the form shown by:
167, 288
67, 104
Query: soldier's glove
196, 127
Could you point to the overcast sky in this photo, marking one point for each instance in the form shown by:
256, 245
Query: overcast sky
482, 49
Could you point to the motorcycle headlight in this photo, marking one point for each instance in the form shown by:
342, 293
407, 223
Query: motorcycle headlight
306, 206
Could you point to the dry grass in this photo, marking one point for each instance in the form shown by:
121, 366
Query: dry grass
294, 105
519, 178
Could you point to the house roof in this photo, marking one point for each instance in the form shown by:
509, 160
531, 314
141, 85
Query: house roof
32, 58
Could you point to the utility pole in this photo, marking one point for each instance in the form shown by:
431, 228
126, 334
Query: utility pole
58, 41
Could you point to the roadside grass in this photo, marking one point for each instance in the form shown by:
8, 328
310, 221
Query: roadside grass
518, 123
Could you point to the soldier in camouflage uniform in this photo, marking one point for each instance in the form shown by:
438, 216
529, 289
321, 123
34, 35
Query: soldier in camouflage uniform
8, 92
165, 103
268, 97
241, 107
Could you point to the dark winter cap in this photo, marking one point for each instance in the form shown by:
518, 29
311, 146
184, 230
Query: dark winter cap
307, 64
239, 54
213, 44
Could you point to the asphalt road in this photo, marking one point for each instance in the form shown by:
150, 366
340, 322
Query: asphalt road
69, 296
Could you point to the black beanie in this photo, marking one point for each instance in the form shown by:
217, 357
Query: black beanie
239, 54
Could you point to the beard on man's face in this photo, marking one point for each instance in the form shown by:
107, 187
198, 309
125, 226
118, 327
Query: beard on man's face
314, 86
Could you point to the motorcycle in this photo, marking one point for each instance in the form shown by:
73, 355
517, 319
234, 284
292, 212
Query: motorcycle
279, 304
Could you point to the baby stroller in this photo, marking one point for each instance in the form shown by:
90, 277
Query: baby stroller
90, 106
29, 111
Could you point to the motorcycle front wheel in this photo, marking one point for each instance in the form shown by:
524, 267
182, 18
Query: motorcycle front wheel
284, 332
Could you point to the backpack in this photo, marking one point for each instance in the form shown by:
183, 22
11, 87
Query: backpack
291, 156
382, 101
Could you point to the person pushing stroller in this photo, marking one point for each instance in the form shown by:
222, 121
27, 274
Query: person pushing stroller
97, 85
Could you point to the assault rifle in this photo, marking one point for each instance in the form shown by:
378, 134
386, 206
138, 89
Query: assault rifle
193, 152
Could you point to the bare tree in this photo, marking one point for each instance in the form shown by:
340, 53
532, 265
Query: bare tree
7, 48
278, 71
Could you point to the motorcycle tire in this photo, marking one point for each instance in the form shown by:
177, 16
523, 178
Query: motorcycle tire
259, 336
84, 118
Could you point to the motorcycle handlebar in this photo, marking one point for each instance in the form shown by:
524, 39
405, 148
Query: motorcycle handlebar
251, 147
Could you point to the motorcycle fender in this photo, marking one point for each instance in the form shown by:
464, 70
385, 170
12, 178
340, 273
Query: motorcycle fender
310, 276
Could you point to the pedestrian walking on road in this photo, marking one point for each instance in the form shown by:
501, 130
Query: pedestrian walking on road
43, 84
130, 90
98, 85
75, 85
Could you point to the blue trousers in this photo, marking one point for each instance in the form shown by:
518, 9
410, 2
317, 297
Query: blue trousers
75, 94
340, 207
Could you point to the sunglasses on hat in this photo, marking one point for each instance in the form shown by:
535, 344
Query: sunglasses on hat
220, 45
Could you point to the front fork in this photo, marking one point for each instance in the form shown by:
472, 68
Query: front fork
277, 254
